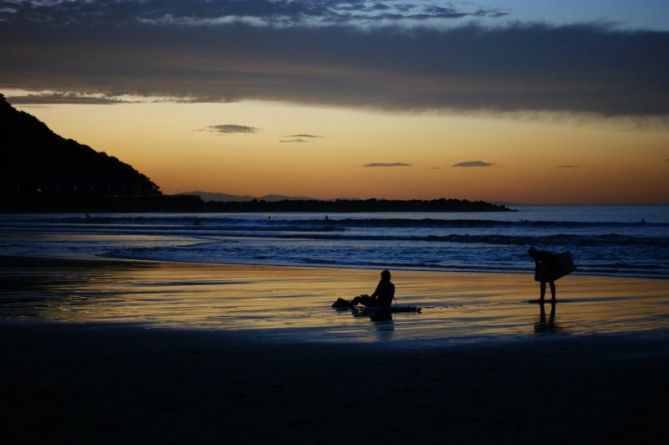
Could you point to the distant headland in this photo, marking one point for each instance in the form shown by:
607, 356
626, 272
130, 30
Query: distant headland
44, 172
185, 203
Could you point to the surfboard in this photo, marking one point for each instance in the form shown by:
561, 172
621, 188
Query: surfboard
556, 267
392, 309
564, 265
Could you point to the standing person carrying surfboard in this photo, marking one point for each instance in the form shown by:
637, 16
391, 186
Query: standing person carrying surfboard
549, 267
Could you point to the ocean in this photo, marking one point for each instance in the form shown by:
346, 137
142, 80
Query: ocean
603, 240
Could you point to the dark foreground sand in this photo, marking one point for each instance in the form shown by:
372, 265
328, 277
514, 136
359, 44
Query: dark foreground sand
128, 384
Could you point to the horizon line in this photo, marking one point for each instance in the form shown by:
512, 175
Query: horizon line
498, 202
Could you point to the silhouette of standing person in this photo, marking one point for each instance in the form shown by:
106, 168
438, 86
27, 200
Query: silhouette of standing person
545, 264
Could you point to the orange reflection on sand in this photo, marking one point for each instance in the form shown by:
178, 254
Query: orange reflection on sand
296, 301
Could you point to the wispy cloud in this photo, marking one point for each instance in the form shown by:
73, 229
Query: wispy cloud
474, 164
64, 98
293, 141
299, 138
303, 136
567, 166
387, 164
232, 129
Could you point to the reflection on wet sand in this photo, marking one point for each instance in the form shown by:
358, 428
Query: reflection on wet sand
382, 321
295, 302
543, 326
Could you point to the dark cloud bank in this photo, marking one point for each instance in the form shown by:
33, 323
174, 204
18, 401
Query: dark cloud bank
300, 52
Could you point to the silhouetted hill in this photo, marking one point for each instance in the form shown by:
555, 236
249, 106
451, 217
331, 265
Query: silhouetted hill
224, 197
43, 172
36, 162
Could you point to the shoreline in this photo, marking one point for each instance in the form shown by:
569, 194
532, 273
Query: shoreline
101, 258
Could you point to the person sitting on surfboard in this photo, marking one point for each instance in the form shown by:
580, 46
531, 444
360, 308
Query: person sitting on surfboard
545, 265
382, 296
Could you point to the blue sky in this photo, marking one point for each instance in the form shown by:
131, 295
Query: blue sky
627, 14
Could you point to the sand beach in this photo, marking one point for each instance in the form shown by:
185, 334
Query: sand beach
103, 351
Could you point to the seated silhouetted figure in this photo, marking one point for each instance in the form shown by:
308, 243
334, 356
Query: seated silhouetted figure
545, 264
382, 296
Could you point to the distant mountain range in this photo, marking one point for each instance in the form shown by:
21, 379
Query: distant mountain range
36, 162
224, 197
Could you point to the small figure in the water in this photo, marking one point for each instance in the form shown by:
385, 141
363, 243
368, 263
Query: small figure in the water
382, 296
545, 264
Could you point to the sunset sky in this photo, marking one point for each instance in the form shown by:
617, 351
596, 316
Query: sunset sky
521, 101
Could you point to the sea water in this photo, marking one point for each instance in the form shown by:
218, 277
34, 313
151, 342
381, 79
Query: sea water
603, 240
294, 303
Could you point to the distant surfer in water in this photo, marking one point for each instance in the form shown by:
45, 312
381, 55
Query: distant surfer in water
382, 296
545, 265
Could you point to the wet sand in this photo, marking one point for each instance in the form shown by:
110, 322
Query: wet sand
122, 384
136, 377
293, 303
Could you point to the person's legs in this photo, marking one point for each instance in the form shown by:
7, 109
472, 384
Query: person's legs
551, 319
365, 300
341, 303
552, 285
542, 314
542, 288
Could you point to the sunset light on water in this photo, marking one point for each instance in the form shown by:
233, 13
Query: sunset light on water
334, 221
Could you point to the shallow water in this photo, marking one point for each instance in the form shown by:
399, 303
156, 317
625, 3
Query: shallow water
604, 240
294, 303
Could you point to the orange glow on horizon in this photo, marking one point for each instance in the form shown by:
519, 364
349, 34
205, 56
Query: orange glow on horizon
170, 143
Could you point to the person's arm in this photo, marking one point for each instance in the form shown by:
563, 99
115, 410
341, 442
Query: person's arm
376, 291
